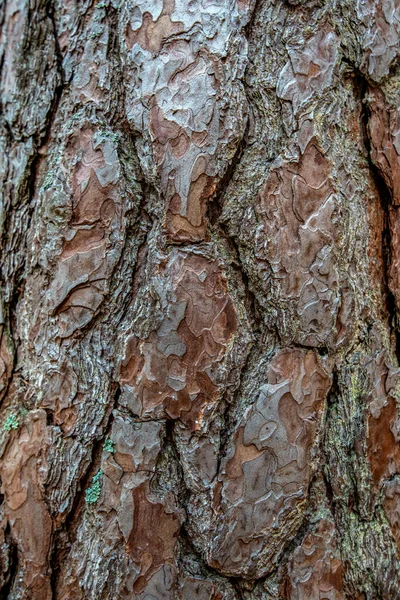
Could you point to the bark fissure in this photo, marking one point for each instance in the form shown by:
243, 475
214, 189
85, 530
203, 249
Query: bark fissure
386, 201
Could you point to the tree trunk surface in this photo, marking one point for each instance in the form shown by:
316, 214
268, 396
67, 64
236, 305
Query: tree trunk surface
200, 299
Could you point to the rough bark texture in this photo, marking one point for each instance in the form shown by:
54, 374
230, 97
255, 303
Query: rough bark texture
200, 299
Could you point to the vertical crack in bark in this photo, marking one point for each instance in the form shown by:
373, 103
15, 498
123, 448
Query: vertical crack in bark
3, 9
170, 441
386, 201
327, 474
26, 195
214, 211
331, 398
71, 521
12, 570
228, 420
60, 548
50, 10
367, 551
54, 566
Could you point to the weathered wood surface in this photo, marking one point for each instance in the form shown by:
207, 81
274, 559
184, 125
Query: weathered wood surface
200, 299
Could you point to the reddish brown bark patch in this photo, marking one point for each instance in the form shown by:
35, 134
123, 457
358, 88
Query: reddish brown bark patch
172, 372
153, 538
315, 571
266, 475
296, 239
383, 433
22, 468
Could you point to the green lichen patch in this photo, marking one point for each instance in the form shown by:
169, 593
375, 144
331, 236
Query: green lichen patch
93, 493
11, 422
109, 446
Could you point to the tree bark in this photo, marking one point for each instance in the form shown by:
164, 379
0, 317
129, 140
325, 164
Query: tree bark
200, 299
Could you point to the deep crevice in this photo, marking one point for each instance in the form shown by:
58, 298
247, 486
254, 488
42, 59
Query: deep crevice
169, 440
362, 87
258, 4
54, 565
26, 194
345, 504
214, 205
60, 549
331, 399
228, 427
11, 573
225, 435
213, 215
50, 8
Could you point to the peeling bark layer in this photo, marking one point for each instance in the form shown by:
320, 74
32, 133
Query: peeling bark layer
200, 300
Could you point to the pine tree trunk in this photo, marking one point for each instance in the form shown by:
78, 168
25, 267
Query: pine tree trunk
200, 292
